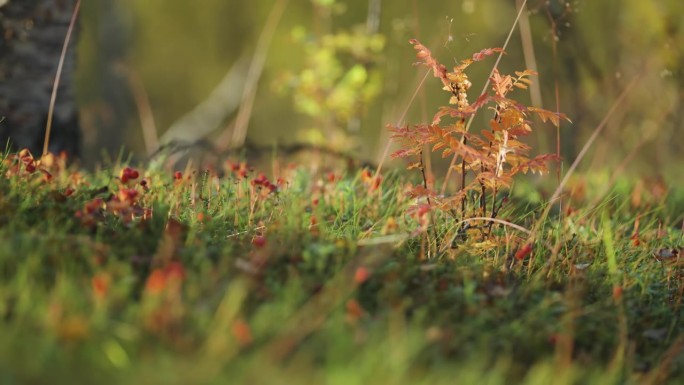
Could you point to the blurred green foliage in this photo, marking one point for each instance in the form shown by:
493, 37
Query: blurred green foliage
181, 50
339, 80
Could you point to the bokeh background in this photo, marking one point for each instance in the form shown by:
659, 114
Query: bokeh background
143, 65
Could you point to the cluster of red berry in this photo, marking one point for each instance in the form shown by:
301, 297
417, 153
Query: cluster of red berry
128, 174
262, 181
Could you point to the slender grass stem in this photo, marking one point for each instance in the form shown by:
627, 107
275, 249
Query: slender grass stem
58, 77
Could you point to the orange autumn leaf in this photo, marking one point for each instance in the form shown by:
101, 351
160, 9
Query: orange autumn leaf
354, 310
523, 252
486, 52
370, 180
161, 279
617, 292
242, 332
156, 282
489, 159
100, 285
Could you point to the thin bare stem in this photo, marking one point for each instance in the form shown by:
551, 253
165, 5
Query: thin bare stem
422, 171
463, 180
528, 53
647, 136
58, 77
594, 135
500, 221
254, 230
586, 147
660, 372
554, 47
254, 73
373, 18
399, 121
142, 102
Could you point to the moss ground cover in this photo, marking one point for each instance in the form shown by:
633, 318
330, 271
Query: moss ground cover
128, 275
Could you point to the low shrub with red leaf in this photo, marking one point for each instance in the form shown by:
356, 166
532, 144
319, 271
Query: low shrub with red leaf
487, 159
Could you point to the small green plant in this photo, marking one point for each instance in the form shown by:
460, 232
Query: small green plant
339, 79
488, 160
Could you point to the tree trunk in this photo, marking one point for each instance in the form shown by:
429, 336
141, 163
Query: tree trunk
31, 39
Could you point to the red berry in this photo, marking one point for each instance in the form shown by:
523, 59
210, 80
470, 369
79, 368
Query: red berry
259, 241
361, 275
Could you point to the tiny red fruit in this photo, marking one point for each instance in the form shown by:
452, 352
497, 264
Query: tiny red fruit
259, 241
361, 275
617, 292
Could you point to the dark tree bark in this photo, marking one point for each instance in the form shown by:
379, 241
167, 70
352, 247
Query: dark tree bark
32, 34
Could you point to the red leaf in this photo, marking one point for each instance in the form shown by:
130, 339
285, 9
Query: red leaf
501, 83
617, 292
523, 252
424, 54
545, 115
354, 310
100, 285
486, 52
481, 101
242, 332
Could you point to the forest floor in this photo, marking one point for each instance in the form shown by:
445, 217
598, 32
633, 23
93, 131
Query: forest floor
128, 275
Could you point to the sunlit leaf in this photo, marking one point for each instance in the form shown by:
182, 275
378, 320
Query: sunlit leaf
488, 134
438, 70
486, 52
